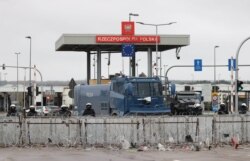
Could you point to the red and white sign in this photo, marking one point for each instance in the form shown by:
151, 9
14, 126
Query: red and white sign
128, 28
127, 39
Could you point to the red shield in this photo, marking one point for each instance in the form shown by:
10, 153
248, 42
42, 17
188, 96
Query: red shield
128, 28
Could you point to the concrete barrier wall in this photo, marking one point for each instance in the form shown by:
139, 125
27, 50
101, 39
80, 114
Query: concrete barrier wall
53, 130
231, 126
111, 130
10, 130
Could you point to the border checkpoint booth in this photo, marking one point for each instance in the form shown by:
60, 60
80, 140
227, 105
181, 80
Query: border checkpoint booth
112, 43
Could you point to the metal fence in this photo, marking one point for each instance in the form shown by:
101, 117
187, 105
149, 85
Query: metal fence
113, 130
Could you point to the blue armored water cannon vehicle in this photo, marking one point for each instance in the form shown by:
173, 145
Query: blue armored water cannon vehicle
123, 96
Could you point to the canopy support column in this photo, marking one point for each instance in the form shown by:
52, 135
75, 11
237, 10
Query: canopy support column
88, 67
149, 62
99, 66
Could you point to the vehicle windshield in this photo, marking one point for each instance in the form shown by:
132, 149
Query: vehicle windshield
38, 107
41, 108
53, 107
146, 89
189, 96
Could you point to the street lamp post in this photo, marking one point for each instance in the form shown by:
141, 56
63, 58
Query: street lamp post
237, 72
215, 74
108, 65
215, 64
17, 76
30, 100
156, 40
24, 102
130, 66
137, 67
160, 65
153, 67
192, 75
132, 14
5, 76
165, 69
94, 64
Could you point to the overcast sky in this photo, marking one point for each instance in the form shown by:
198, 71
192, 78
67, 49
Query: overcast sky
208, 22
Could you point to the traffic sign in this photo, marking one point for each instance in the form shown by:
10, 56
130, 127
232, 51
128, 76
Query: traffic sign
128, 50
215, 103
214, 98
231, 63
197, 65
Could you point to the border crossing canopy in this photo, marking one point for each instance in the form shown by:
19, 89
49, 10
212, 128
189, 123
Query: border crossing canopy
100, 43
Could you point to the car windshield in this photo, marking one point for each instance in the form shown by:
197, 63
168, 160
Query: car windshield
53, 107
39, 107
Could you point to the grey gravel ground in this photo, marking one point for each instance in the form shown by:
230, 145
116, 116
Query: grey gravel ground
226, 153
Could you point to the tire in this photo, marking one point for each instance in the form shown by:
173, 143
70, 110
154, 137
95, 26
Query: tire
114, 114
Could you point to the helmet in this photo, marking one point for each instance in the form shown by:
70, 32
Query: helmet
32, 107
88, 105
222, 105
243, 104
12, 106
64, 107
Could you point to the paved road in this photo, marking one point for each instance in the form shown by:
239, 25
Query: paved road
69, 154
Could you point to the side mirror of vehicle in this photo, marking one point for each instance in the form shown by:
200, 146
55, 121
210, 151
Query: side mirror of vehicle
202, 98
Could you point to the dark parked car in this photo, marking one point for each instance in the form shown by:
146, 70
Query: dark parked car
53, 110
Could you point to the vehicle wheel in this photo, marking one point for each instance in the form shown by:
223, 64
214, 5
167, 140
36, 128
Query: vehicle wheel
174, 111
114, 114
190, 112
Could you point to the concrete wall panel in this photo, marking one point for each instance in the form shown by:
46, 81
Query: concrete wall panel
107, 131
